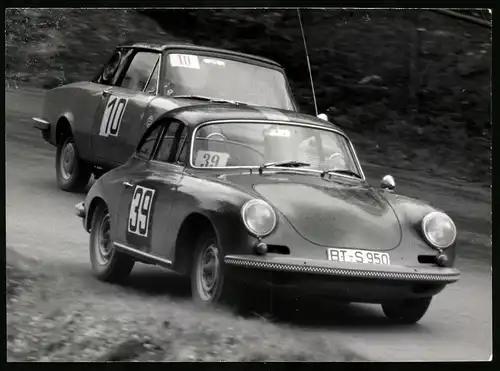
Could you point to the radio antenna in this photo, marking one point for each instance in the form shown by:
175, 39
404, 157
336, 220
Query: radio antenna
308, 63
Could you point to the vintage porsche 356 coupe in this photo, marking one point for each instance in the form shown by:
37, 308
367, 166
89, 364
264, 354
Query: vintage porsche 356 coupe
97, 124
228, 194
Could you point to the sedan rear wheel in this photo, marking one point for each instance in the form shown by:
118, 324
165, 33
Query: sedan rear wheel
208, 279
73, 173
408, 311
108, 264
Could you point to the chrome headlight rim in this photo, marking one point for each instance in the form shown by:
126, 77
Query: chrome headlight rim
425, 222
251, 203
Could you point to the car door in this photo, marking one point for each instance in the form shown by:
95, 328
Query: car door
167, 161
148, 190
87, 100
118, 122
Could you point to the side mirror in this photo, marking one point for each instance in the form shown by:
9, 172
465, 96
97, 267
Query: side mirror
388, 183
322, 116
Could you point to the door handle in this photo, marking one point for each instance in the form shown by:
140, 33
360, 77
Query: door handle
106, 93
128, 184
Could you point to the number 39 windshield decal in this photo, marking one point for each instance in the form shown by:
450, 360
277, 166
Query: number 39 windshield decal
140, 210
113, 114
211, 159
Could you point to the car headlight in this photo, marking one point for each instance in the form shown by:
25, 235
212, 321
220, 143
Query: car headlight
439, 230
259, 217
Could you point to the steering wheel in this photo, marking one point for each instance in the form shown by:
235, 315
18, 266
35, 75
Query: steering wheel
335, 158
219, 135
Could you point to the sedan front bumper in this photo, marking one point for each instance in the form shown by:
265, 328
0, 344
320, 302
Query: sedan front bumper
375, 271
347, 281
43, 126
80, 209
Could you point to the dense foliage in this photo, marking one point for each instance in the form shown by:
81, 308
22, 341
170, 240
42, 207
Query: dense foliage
412, 88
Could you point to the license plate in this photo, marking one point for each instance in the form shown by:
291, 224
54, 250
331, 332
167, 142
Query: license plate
358, 256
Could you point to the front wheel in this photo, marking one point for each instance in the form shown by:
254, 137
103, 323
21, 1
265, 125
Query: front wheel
73, 173
208, 279
408, 311
108, 264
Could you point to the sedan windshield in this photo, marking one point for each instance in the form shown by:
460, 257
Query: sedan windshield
236, 144
222, 78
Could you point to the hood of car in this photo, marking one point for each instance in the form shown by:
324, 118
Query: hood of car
328, 213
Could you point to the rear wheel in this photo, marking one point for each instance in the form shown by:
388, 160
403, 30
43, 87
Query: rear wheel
208, 279
73, 173
107, 264
408, 311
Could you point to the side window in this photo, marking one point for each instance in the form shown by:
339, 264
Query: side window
170, 145
139, 71
153, 82
110, 68
147, 146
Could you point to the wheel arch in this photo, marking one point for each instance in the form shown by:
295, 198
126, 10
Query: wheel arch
64, 128
185, 243
96, 201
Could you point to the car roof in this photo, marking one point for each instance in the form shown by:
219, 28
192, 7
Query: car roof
180, 45
195, 115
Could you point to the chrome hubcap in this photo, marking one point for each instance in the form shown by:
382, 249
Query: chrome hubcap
208, 272
68, 160
104, 244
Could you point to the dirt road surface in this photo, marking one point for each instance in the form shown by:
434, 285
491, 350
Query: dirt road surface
41, 224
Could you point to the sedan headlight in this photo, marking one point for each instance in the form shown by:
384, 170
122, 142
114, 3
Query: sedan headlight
259, 217
439, 230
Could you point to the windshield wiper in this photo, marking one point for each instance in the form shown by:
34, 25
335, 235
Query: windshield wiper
340, 171
208, 99
283, 164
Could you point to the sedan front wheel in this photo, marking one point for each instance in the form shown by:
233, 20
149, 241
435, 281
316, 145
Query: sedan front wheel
408, 311
73, 173
208, 280
108, 264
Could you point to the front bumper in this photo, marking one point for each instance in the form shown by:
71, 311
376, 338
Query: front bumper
43, 126
347, 281
80, 209
371, 271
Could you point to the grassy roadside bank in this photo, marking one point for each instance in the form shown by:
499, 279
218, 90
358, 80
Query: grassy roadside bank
74, 322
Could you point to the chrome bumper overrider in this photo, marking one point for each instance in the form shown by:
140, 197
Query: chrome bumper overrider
41, 124
80, 209
389, 272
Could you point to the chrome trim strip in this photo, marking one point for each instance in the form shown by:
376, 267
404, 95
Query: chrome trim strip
159, 75
151, 75
342, 272
355, 156
145, 254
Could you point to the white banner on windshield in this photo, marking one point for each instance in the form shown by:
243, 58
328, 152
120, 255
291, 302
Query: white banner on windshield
184, 60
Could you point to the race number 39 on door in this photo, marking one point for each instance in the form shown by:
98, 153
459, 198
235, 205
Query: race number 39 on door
113, 114
140, 210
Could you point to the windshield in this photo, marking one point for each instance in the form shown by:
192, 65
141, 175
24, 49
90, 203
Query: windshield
253, 144
221, 78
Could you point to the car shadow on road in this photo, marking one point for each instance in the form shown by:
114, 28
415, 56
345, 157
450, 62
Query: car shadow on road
279, 309
156, 281
47, 184
317, 313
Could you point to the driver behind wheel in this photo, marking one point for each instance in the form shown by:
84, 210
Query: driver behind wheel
321, 152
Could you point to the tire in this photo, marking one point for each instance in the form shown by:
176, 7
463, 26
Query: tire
407, 312
216, 290
72, 172
108, 265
